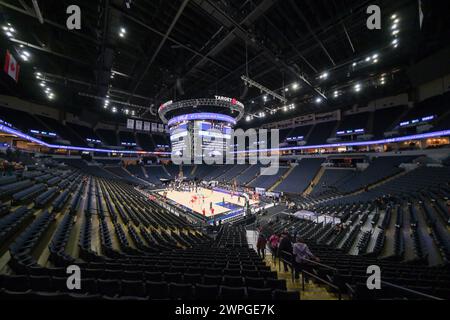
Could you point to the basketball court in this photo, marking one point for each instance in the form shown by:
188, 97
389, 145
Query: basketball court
203, 198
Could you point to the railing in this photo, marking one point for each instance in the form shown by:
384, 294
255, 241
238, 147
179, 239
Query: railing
329, 283
410, 291
304, 273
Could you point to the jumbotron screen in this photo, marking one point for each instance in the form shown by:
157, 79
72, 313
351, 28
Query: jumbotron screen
214, 136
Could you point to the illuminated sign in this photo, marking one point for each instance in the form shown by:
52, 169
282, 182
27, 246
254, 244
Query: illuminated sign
233, 101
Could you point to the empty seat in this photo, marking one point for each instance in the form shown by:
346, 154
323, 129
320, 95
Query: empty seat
41, 283
192, 278
232, 293
233, 281
157, 290
254, 282
16, 283
285, 295
216, 280
206, 292
276, 284
259, 293
132, 275
133, 288
172, 277
180, 291
153, 276
109, 288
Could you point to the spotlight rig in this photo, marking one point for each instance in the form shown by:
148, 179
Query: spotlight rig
252, 83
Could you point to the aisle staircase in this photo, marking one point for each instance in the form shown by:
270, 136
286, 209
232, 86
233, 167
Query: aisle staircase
313, 291
284, 176
314, 181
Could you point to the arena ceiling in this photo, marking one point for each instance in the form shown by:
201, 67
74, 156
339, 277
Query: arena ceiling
141, 53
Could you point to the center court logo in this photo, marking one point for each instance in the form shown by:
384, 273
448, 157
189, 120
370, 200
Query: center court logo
216, 147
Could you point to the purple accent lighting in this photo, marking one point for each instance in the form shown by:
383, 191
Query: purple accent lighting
360, 143
202, 116
54, 146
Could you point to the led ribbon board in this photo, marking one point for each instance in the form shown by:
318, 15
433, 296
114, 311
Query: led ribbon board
202, 116
218, 101
442, 133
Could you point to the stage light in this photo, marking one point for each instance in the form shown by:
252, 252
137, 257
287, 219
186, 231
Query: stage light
324, 75
375, 56
11, 29
114, 109
9, 34
336, 94
394, 16
357, 87
122, 32
133, 113
395, 32
396, 21
5, 28
247, 118
375, 61
284, 108
127, 111
42, 84
286, 89
24, 57
367, 59
295, 86
394, 26
354, 64
318, 100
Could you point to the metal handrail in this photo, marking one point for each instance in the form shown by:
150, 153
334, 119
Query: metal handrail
328, 283
414, 292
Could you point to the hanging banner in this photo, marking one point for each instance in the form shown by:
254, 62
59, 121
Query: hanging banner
146, 126
130, 124
138, 125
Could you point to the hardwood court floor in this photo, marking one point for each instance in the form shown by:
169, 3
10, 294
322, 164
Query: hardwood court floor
214, 197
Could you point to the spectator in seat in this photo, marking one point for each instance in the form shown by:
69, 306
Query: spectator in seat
261, 245
301, 252
284, 248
